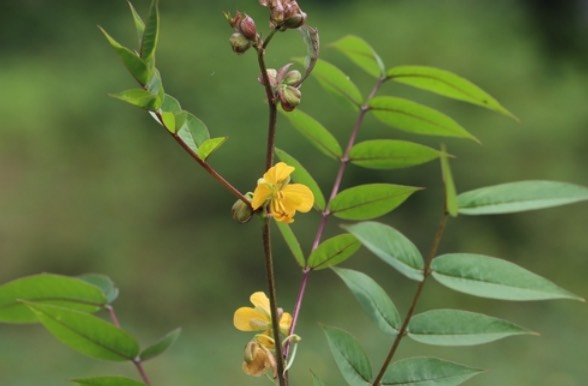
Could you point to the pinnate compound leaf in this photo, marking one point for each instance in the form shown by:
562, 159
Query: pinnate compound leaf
416, 118
374, 300
422, 371
460, 328
350, 358
292, 242
446, 83
335, 81
86, 333
209, 146
47, 288
139, 98
448, 184
361, 53
134, 64
494, 278
107, 381
151, 33
316, 133
520, 196
390, 154
391, 246
302, 176
333, 251
160, 346
103, 282
369, 201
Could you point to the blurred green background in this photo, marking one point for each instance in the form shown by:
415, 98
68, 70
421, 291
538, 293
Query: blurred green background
88, 184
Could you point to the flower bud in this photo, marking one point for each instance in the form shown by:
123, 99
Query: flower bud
295, 20
289, 97
257, 359
247, 28
271, 74
292, 77
239, 42
241, 211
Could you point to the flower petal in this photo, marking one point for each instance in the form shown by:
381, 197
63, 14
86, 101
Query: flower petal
278, 173
285, 323
250, 319
259, 300
260, 195
297, 197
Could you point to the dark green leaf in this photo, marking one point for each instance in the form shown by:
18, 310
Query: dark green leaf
390, 154
151, 33
86, 333
209, 146
333, 251
291, 242
374, 300
170, 104
48, 289
107, 381
155, 87
368, 201
349, 357
103, 282
520, 196
448, 184
335, 81
490, 277
160, 346
316, 133
391, 246
447, 84
360, 53
138, 98
302, 176
136, 66
427, 372
413, 117
460, 328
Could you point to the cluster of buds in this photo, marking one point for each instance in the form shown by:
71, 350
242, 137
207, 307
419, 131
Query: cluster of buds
284, 14
245, 32
285, 85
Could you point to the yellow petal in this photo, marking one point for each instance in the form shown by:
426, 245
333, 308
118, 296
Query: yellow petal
250, 319
285, 323
297, 197
278, 173
259, 300
260, 195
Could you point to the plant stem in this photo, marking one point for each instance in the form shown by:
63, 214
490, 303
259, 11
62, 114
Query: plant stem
273, 111
419, 290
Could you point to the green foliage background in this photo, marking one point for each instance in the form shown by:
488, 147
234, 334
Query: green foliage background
88, 184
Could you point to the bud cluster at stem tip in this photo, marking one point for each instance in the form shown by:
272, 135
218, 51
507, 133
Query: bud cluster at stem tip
286, 85
284, 14
245, 32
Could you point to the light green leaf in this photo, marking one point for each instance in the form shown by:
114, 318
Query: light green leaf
316, 133
360, 53
447, 84
107, 381
134, 64
427, 372
191, 130
209, 146
302, 176
368, 201
161, 345
350, 358
139, 24
333, 251
448, 184
391, 246
460, 328
520, 196
86, 333
155, 87
138, 98
390, 154
103, 282
48, 289
169, 121
170, 104
151, 33
494, 278
374, 300
291, 242
335, 81
413, 117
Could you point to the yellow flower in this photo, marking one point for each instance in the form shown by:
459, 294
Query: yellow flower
258, 359
284, 198
259, 318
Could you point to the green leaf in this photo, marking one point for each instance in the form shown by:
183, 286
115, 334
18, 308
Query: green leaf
48, 289
155, 87
415, 118
103, 282
311, 40
139, 24
374, 300
291, 242
107, 381
316, 133
170, 104
191, 130
134, 64
161, 345
391, 246
350, 358
302, 176
448, 184
460, 328
86, 333
520, 196
209, 146
360, 53
368, 201
447, 84
333, 251
335, 81
138, 97
390, 154
427, 372
151, 33
169, 121
494, 278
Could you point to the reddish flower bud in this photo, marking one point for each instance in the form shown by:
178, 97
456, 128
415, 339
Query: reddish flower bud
247, 28
289, 97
